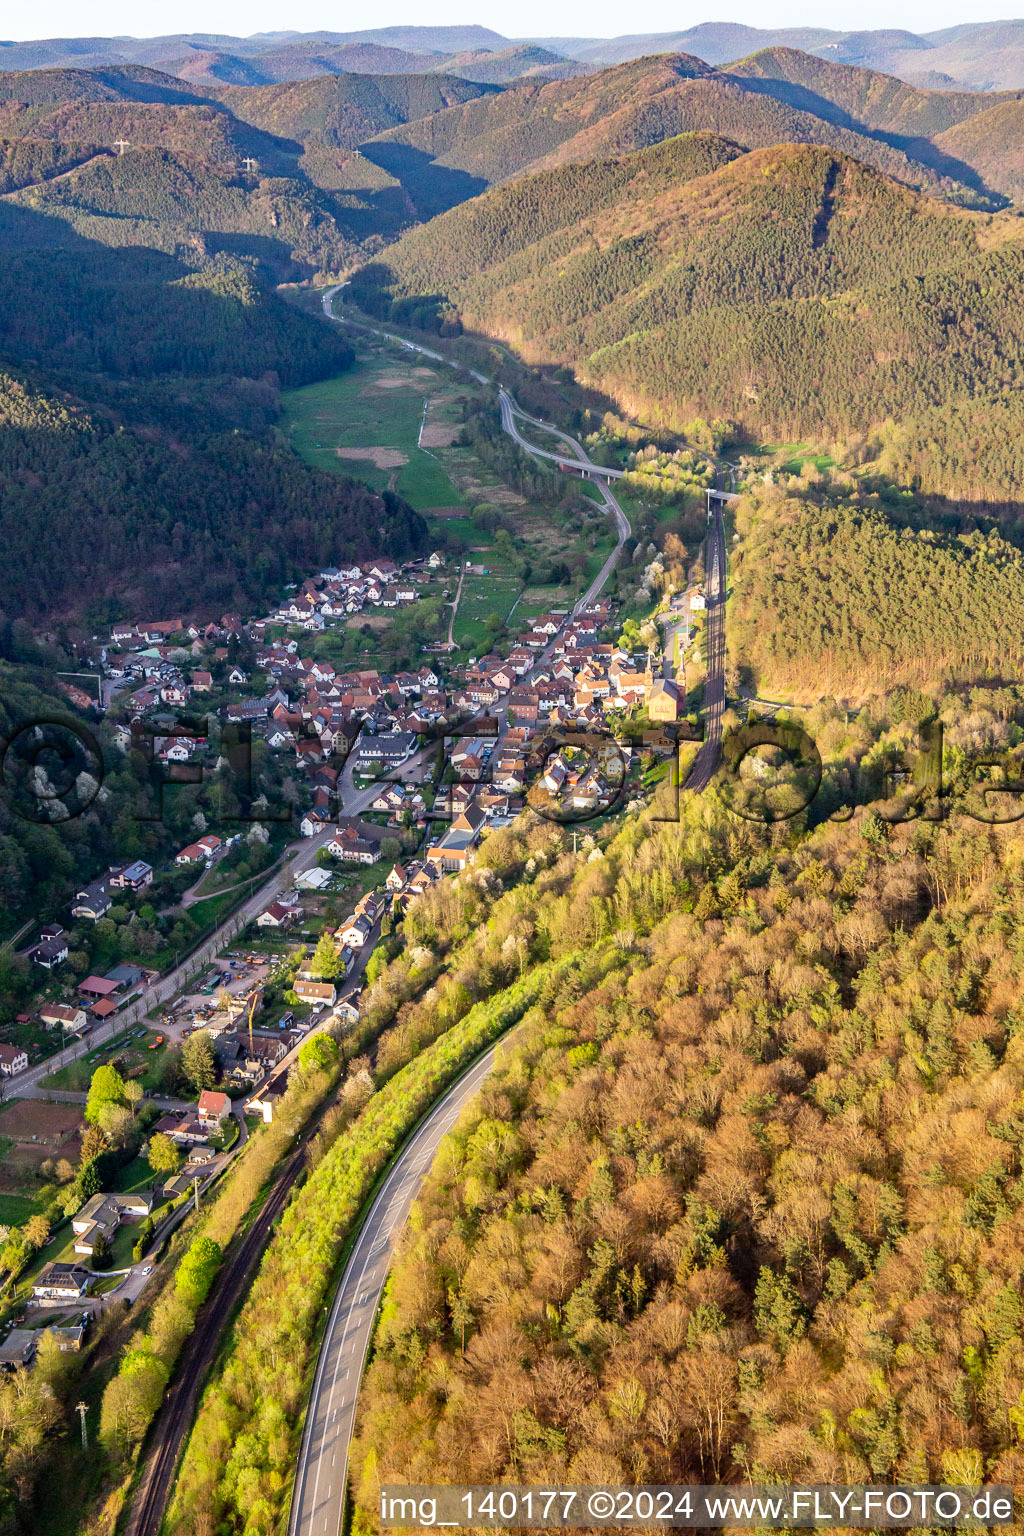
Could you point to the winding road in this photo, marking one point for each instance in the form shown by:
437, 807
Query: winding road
321, 1474
318, 1500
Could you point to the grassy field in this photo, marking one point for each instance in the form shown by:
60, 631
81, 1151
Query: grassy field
15, 1210
377, 406
482, 598
130, 1052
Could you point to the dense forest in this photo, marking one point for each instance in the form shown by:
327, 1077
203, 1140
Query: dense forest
800, 293
137, 452
634, 105
833, 595
743, 1202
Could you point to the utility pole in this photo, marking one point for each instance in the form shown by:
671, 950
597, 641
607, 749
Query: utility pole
251, 165
195, 1193
121, 145
82, 1409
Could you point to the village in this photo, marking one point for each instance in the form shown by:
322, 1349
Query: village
364, 731
400, 775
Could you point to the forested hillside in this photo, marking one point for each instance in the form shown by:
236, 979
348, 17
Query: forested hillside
794, 290
831, 595
343, 111
633, 105
744, 1203
137, 462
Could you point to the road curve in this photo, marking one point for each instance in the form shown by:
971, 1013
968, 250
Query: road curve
321, 1474
511, 414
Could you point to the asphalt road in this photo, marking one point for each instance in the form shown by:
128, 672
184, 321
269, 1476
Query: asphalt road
321, 1475
322, 1470
300, 856
706, 761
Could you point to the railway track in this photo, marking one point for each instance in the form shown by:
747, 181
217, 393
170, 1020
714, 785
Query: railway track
177, 1412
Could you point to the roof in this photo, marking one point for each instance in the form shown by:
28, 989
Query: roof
62, 1275
100, 986
64, 1012
12, 1053
18, 1347
213, 1103
125, 975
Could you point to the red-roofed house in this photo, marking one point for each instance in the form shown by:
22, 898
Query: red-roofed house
213, 1107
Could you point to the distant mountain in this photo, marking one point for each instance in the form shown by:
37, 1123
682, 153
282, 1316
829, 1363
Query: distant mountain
521, 61
791, 288
977, 56
716, 42
632, 105
342, 111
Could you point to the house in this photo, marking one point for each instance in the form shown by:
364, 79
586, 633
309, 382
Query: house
315, 991
201, 851
663, 703
453, 852
93, 903
277, 915
265, 1100
177, 1185
265, 1051
67, 1015
69, 1336
126, 975
356, 932
390, 750
248, 709
49, 953
213, 1107
132, 877
357, 842
12, 1060
188, 1132
61, 1283
202, 682
18, 1350
435, 560
313, 822
106, 1212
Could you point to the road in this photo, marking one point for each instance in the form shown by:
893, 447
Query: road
706, 761
300, 856
455, 609
322, 1469
511, 415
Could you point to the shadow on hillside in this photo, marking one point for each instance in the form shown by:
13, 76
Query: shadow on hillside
921, 150
433, 188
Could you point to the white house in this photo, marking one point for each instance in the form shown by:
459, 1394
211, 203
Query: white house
12, 1060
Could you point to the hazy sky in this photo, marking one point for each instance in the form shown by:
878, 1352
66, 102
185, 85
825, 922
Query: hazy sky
586, 18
